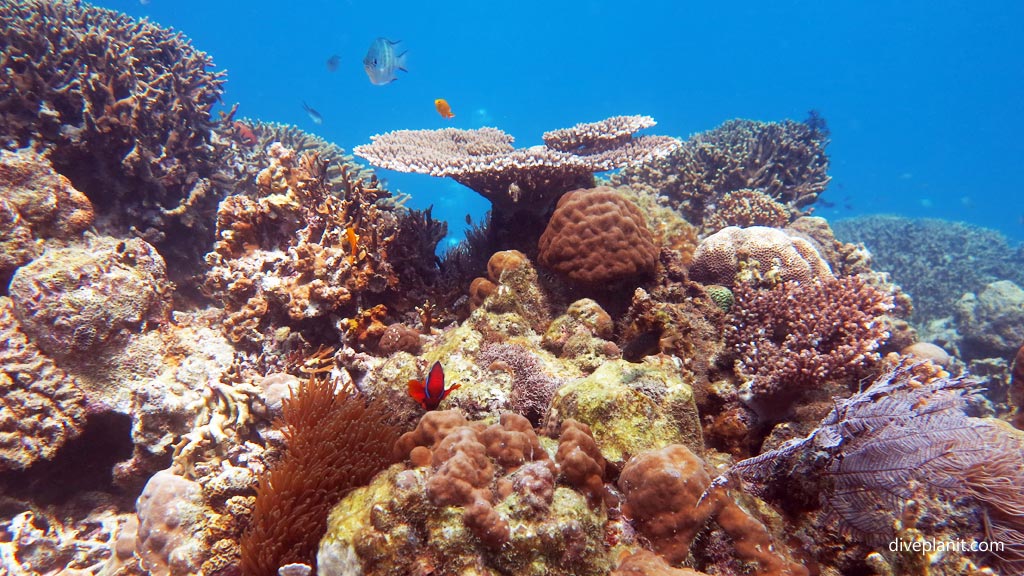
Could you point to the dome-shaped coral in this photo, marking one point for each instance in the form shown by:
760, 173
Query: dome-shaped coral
758, 254
596, 237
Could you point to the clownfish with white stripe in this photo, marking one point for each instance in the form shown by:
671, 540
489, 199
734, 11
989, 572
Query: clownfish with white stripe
431, 391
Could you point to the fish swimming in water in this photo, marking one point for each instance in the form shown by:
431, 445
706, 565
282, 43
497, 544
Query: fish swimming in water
443, 108
381, 62
332, 63
313, 114
430, 392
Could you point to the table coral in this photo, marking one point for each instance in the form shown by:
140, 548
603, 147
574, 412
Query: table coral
526, 179
798, 335
598, 239
124, 109
786, 161
483, 500
41, 406
757, 254
79, 301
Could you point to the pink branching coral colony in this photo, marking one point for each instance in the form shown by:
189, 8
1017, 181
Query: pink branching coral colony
209, 325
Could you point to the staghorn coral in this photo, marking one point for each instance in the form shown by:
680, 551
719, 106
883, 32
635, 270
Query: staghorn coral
335, 440
905, 442
526, 179
757, 255
796, 335
785, 161
664, 494
41, 406
598, 239
79, 301
297, 255
469, 498
36, 204
123, 108
935, 261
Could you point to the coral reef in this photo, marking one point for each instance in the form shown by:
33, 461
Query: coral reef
598, 239
41, 406
171, 520
123, 109
664, 494
758, 255
297, 253
471, 498
785, 161
631, 408
335, 440
904, 441
797, 334
935, 261
527, 179
745, 208
36, 205
75, 302
991, 322
533, 387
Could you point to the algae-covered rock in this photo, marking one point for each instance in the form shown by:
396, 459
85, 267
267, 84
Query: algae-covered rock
632, 407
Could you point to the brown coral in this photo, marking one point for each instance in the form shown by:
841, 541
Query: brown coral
745, 208
124, 109
521, 179
597, 238
757, 254
41, 407
786, 161
800, 334
335, 440
580, 461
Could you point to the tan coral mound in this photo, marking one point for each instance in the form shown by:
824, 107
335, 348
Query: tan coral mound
595, 237
757, 254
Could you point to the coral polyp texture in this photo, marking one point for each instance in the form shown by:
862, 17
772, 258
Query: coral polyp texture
123, 108
524, 179
597, 239
79, 300
906, 446
798, 335
41, 406
786, 161
757, 255
36, 205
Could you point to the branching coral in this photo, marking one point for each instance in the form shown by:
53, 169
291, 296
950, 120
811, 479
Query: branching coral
123, 107
526, 179
797, 335
785, 160
906, 437
335, 440
598, 239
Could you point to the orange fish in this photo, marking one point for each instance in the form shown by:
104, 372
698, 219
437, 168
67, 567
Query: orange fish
430, 393
244, 133
443, 108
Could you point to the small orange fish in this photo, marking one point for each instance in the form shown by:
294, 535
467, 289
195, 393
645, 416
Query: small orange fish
430, 393
443, 108
244, 133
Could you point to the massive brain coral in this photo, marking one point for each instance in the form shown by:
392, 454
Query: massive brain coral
122, 106
596, 237
757, 254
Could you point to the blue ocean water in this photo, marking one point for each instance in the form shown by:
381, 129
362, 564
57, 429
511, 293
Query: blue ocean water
924, 99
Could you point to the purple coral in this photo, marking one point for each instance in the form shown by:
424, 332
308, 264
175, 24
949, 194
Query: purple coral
532, 386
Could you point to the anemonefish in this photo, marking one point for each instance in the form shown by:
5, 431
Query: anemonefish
430, 393
443, 108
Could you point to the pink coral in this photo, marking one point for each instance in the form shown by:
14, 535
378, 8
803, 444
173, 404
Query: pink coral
799, 334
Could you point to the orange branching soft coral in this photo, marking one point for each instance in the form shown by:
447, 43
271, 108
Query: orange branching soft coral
335, 440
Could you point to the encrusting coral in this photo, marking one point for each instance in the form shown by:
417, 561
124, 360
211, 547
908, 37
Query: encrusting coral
41, 406
335, 440
123, 108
